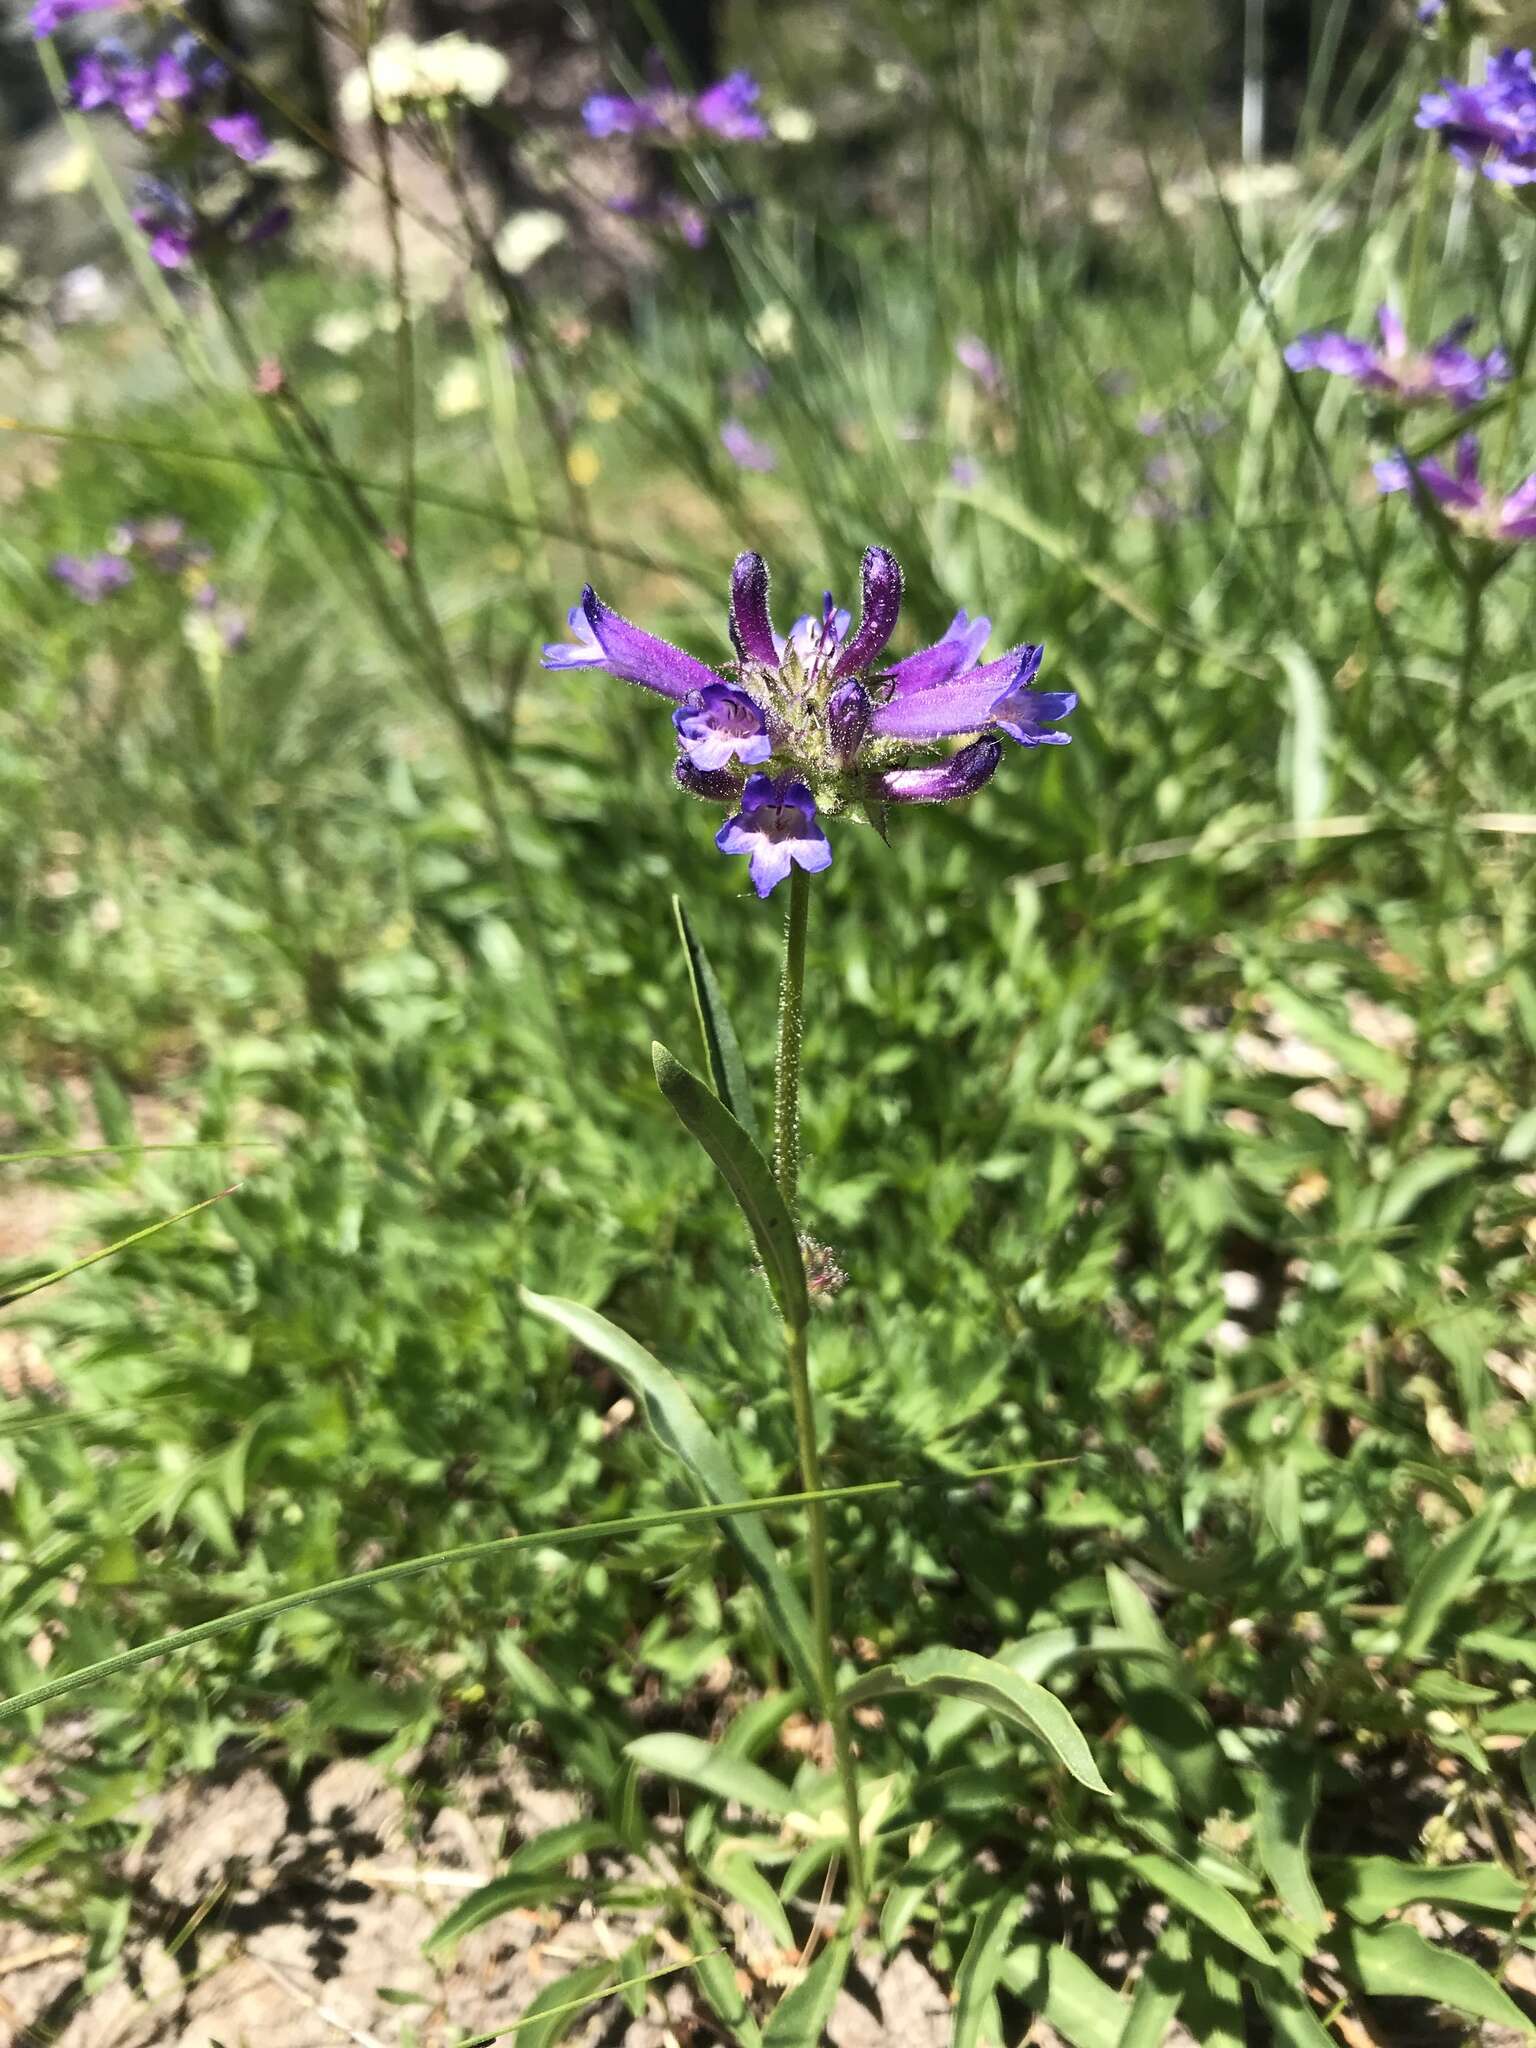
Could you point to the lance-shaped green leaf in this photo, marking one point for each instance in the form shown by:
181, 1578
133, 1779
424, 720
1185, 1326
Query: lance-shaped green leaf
1059, 1986
678, 1425
982, 1965
1203, 1901
1161, 1991
722, 1048
747, 1174
1284, 1791
1443, 1578
1397, 1962
693, 1761
961, 1674
800, 2017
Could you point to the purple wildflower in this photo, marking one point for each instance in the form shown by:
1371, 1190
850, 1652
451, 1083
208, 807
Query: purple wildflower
178, 232
49, 16
830, 724
729, 109
776, 826
149, 92
242, 133
972, 354
1461, 495
581, 650
1444, 371
726, 110
744, 449
608, 113
965, 471
1490, 127
91, 577
719, 724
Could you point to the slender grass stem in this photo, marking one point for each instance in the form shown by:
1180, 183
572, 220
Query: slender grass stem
786, 1169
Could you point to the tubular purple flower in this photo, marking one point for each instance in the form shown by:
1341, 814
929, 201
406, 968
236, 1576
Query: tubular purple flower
1490, 127
960, 649
1466, 502
848, 715
877, 621
722, 724
962, 775
965, 705
714, 785
752, 632
639, 657
776, 827
1445, 371
809, 635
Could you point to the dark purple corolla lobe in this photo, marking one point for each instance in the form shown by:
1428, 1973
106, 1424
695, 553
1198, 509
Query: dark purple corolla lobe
839, 731
848, 715
877, 621
751, 624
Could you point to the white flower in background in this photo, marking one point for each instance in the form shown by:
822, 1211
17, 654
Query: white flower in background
10, 266
526, 237
291, 161
408, 75
772, 333
793, 124
459, 390
341, 333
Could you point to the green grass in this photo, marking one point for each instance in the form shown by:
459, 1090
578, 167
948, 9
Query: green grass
1169, 1105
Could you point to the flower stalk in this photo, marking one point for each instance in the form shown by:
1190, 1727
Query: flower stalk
786, 1170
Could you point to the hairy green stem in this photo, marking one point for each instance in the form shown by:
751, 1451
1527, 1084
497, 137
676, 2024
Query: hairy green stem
786, 1169
786, 1078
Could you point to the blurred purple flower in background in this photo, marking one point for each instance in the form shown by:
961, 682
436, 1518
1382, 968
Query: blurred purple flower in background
729, 109
1492, 126
745, 450
48, 16
1461, 495
820, 704
1444, 373
972, 354
726, 110
91, 577
242, 133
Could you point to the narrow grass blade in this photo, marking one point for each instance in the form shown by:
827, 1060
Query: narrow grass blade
465, 1553
747, 1174
678, 1425
722, 1049
981, 1966
107, 1251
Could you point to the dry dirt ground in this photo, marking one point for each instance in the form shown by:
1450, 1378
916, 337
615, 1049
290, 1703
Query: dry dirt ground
268, 1920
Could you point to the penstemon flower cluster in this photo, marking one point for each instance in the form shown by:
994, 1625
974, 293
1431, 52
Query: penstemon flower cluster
208, 193
815, 722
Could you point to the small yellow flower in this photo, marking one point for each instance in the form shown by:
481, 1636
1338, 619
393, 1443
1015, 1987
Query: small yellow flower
583, 464
604, 405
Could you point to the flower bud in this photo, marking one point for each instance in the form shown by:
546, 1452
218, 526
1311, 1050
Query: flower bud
848, 715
